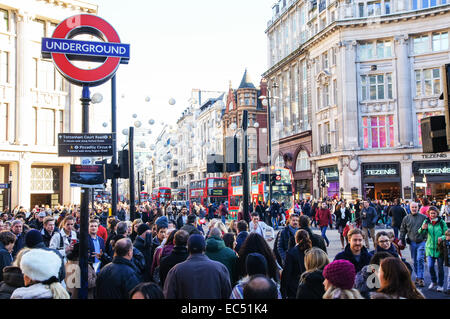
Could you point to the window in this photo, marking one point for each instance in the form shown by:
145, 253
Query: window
325, 60
387, 6
421, 44
45, 79
4, 20
326, 95
302, 163
374, 8
39, 30
304, 94
333, 56
336, 134
380, 49
378, 131
4, 67
4, 110
428, 82
34, 124
319, 102
46, 127
440, 41
279, 161
361, 10
376, 87
60, 126
335, 92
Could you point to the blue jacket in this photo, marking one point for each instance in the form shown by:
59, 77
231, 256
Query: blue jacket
371, 217
19, 244
240, 240
116, 280
106, 259
286, 242
5, 259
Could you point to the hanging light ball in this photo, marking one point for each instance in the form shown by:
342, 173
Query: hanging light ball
172, 101
105, 124
125, 131
97, 98
149, 132
134, 116
264, 102
256, 125
147, 99
264, 130
138, 124
151, 121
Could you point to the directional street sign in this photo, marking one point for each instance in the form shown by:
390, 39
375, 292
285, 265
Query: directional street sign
4, 186
85, 145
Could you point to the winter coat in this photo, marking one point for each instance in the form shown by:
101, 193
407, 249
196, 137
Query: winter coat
36, 291
56, 243
19, 244
392, 250
12, 279
116, 280
361, 281
71, 267
434, 233
178, 255
47, 237
397, 213
285, 242
198, 278
294, 267
371, 217
323, 217
216, 250
316, 240
342, 222
410, 227
191, 229
311, 286
145, 247
347, 254
240, 238
5, 259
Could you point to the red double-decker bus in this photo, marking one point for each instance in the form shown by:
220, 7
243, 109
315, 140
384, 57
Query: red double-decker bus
282, 188
162, 194
211, 190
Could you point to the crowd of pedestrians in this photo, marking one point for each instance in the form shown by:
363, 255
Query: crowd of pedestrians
179, 253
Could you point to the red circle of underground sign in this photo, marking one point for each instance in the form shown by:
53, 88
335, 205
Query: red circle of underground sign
75, 74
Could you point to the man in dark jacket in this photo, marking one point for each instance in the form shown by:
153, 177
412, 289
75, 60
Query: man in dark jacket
355, 252
287, 237
190, 226
96, 245
242, 232
369, 219
117, 279
198, 277
397, 212
7, 240
316, 240
48, 230
216, 250
178, 255
143, 243
38, 223
18, 231
12, 279
182, 217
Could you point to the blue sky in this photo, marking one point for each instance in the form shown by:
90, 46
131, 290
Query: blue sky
178, 45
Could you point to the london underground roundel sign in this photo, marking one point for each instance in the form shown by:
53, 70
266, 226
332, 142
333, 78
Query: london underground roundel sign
62, 49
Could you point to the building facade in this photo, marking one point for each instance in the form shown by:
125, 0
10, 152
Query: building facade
36, 104
372, 72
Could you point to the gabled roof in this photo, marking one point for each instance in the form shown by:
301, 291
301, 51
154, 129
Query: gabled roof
246, 82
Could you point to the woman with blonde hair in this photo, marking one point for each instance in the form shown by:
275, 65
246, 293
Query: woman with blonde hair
221, 226
311, 281
40, 270
339, 280
134, 226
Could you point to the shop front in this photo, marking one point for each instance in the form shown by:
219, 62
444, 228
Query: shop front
381, 181
431, 179
302, 189
4, 192
329, 181
46, 185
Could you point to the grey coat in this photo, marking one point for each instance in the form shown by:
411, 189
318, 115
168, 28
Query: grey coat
410, 227
198, 278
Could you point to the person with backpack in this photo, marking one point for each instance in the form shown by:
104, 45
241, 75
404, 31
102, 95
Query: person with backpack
286, 239
435, 227
64, 240
397, 212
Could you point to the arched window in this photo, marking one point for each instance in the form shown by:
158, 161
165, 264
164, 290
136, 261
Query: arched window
302, 163
279, 161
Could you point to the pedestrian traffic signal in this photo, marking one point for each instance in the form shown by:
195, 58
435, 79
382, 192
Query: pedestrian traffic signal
124, 164
231, 154
214, 164
142, 185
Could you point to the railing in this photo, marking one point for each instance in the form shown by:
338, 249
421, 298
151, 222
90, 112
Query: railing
325, 149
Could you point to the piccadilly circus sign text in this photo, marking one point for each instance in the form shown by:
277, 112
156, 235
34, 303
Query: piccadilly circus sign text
62, 49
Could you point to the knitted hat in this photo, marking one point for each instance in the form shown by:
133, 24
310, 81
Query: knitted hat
196, 244
142, 228
32, 238
40, 265
340, 273
256, 264
162, 222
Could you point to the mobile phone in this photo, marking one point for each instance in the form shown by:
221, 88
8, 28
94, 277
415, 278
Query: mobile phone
74, 241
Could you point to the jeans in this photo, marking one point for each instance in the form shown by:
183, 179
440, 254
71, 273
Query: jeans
274, 223
418, 257
323, 229
223, 220
396, 230
448, 278
440, 262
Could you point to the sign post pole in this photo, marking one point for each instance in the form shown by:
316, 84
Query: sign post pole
114, 146
131, 167
84, 213
245, 168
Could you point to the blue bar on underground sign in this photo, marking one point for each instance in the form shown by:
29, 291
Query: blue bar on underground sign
85, 48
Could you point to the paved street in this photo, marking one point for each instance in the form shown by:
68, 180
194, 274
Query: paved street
335, 248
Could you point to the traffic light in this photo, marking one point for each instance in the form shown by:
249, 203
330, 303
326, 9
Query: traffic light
231, 154
123, 164
142, 185
275, 177
214, 163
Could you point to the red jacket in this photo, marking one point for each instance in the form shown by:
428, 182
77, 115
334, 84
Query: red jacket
323, 217
102, 232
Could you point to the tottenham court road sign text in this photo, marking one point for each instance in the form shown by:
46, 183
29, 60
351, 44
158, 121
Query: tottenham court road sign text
85, 145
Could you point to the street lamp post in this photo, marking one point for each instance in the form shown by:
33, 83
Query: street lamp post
131, 167
10, 193
245, 168
114, 189
413, 187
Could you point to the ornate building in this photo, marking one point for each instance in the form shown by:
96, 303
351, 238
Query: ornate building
368, 72
35, 104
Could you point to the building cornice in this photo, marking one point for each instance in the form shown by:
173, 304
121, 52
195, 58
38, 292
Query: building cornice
352, 23
75, 5
295, 137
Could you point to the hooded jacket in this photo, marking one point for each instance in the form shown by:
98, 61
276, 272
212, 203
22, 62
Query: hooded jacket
12, 279
216, 250
36, 291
